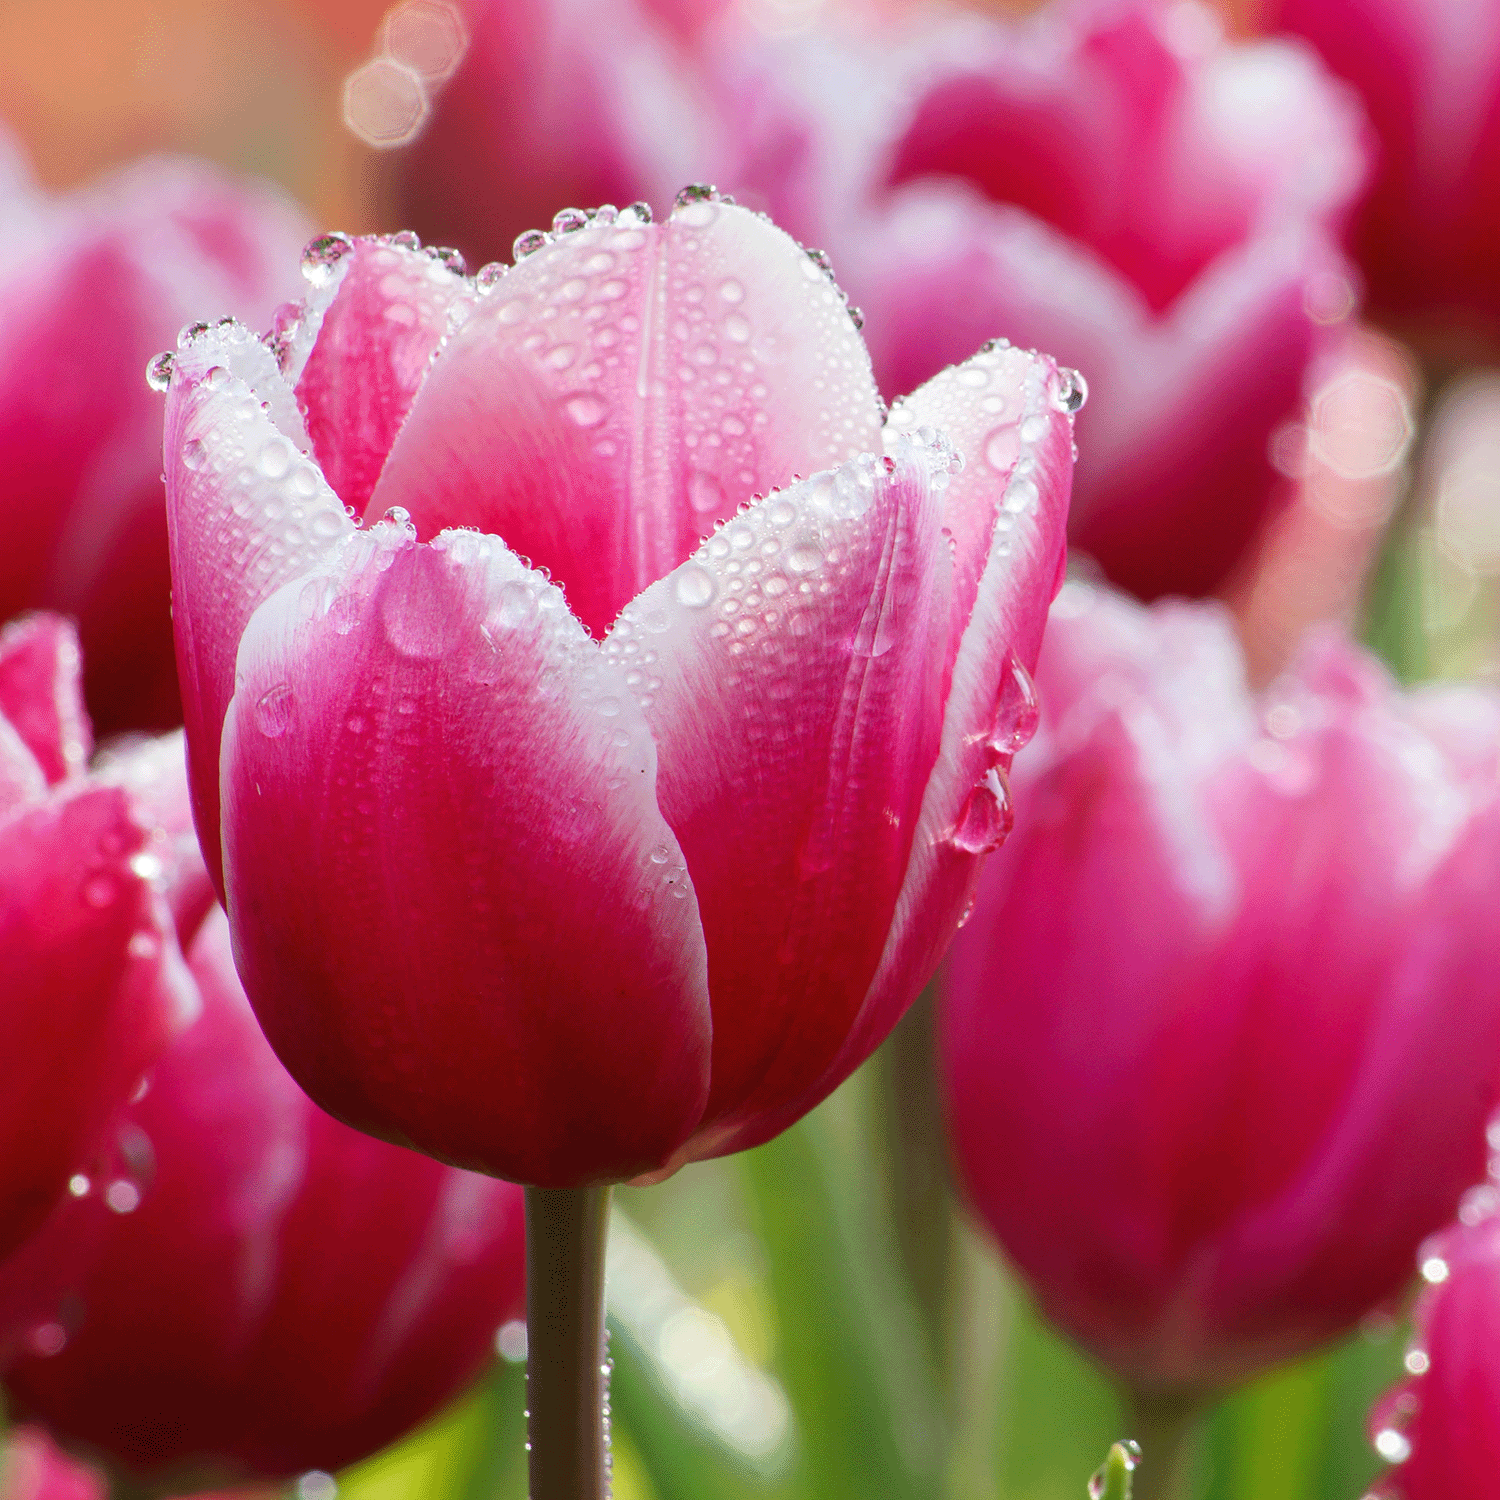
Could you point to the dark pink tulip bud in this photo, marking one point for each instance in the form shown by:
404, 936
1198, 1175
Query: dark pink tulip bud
91, 286
32, 1468
1224, 1030
1440, 1428
681, 766
1428, 233
92, 985
258, 1290
1111, 181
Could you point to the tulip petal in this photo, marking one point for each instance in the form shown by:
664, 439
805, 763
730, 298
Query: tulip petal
625, 388
41, 695
469, 786
989, 708
246, 511
790, 672
375, 339
91, 988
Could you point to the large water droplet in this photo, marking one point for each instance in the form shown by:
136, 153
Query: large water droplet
695, 586
640, 211
273, 711
986, 816
528, 243
586, 409
805, 557
1070, 391
487, 277
159, 371
321, 257
568, 220
515, 606
193, 454
1016, 711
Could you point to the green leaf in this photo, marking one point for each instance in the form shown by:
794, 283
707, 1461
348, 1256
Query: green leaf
1112, 1479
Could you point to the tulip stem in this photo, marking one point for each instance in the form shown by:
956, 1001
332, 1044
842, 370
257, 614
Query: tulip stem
567, 1380
1164, 1424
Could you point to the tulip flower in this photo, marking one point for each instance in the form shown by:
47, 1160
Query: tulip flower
92, 986
1427, 236
1440, 1428
577, 886
1222, 1035
256, 1290
1112, 182
91, 285
31, 1468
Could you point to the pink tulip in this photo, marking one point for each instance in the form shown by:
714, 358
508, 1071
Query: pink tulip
1440, 1429
1111, 181
575, 888
91, 285
91, 982
1223, 1033
556, 102
31, 1468
255, 1289
1428, 233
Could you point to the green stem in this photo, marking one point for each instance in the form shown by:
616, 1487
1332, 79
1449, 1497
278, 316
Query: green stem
567, 1384
1165, 1424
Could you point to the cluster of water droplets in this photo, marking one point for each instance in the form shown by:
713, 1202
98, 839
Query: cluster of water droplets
987, 816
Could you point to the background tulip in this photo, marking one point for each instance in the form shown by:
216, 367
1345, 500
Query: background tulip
762, 791
1113, 182
254, 1289
1224, 1030
91, 285
1428, 231
91, 983
1440, 1429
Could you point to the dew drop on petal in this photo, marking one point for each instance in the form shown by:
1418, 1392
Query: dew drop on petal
273, 711
1070, 391
986, 816
1016, 711
159, 371
528, 243
193, 454
585, 409
695, 586
321, 257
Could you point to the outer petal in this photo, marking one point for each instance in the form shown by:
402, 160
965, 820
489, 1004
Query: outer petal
90, 990
791, 675
40, 693
626, 387
374, 341
471, 787
245, 512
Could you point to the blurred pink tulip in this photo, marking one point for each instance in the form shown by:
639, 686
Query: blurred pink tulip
556, 102
91, 982
91, 285
1108, 179
577, 888
1223, 1033
31, 1468
1440, 1428
1428, 234
257, 1290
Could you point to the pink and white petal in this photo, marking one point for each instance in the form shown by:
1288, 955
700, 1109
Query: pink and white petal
92, 986
965, 811
41, 692
790, 672
21, 777
485, 902
246, 511
375, 339
628, 386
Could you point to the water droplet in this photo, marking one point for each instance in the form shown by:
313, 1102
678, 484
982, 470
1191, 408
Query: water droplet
1393, 1446
273, 711
1434, 1270
275, 460
705, 493
487, 277
193, 454
99, 891
1016, 712
856, 315
79, 1185
1020, 495
190, 333
516, 606
406, 239
660, 855
737, 328
986, 816
321, 257
1417, 1362
397, 515
528, 243
640, 210
122, 1196
159, 371
805, 557
1070, 391
696, 192
1002, 448
567, 220
585, 409
695, 586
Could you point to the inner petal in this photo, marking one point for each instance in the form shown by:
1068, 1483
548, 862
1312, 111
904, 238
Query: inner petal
625, 388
